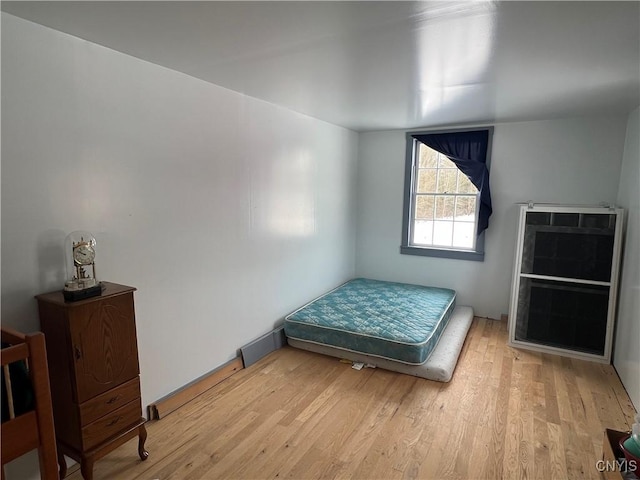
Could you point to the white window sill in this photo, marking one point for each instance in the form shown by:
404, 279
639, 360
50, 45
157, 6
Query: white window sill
442, 253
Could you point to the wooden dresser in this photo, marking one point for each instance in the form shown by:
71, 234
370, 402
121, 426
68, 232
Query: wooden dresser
93, 366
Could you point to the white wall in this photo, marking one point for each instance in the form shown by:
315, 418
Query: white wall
224, 211
574, 160
626, 354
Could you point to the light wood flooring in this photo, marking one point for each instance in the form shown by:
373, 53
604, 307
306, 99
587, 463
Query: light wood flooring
506, 413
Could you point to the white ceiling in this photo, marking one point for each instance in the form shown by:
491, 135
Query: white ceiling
383, 65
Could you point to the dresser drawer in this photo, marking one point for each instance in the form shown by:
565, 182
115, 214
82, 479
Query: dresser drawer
111, 424
107, 402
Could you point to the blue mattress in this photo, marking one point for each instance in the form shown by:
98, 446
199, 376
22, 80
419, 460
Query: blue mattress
396, 321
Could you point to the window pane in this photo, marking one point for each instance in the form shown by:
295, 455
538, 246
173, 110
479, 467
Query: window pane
424, 207
445, 206
444, 162
465, 209
465, 185
428, 156
442, 233
463, 235
423, 232
447, 180
427, 180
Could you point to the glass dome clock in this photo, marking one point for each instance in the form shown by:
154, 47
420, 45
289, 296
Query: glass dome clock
81, 282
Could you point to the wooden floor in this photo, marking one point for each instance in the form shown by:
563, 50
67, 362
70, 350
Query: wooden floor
506, 414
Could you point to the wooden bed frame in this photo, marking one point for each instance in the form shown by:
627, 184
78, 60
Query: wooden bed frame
33, 429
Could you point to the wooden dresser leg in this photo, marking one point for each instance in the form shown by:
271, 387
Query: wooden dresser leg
86, 468
62, 462
142, 437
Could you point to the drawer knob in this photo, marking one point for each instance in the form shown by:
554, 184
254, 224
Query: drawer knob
113, 399
113, 422
78, 353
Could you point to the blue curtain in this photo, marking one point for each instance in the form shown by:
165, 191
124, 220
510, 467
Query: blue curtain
468, 150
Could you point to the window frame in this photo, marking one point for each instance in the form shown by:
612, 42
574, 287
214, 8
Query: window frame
410, 180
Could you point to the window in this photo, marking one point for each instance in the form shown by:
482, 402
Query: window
447, 198
446, 203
